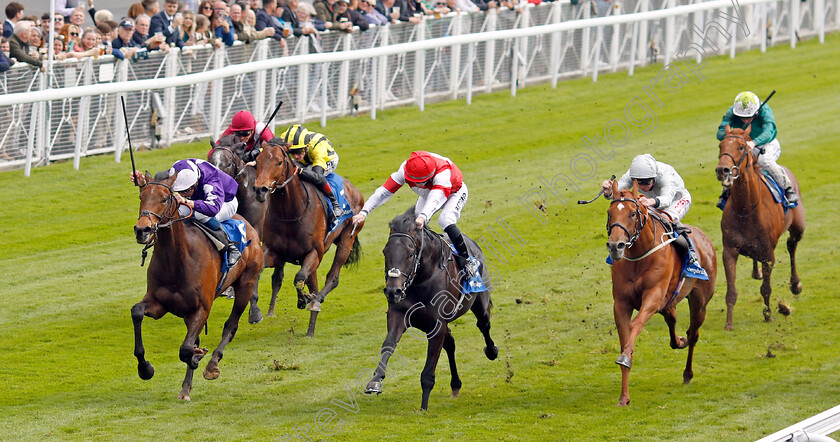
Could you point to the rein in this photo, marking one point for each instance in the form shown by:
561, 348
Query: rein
737, 163
396, 273
640, 222
170, 210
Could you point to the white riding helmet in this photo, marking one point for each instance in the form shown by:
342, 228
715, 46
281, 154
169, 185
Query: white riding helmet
643, 167
187, 177
746, 104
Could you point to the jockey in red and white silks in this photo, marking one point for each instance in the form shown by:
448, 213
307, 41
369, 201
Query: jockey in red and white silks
440, 186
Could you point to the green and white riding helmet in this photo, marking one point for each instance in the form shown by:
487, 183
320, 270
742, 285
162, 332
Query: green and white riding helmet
746, 104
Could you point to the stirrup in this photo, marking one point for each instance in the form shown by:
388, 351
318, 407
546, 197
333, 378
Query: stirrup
233, 255
791, 195
471, 267
336, 209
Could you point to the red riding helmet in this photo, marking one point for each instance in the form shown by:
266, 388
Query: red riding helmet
243, 120
419, 167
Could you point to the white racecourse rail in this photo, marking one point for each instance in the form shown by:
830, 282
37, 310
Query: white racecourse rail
73, 110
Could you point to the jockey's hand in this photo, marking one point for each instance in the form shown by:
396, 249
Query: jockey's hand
358, 218
645, 201
141, 180
751, 143
251, 163
607, 186
184, 201
420, 222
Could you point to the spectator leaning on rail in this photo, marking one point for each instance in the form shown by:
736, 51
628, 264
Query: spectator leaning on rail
440, 186
661, 188
167, 22
14, 13
206, 193
250, 18
764, 144
245, 129
19, 47
221, 24
143, 39
317, 156
5, 61
370, 13
124, 42
265, 19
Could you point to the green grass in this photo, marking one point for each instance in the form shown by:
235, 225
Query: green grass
71, 273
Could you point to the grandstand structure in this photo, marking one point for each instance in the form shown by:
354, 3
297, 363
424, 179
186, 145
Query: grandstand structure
72, 110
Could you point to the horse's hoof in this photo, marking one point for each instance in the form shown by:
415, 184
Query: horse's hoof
374, 387
623, 403
211, 374
145, 371
796, 289
301, 304
491, 352
624, 361
455, 393
687, 376
184, 397
728, 327
255, 318
314, 306
767, 314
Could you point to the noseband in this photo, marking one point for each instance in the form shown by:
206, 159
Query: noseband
274, 186
738, 163
640, 222
396, 273
170, 210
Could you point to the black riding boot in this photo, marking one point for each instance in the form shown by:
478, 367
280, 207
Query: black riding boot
336, 209
223, 243
463, 259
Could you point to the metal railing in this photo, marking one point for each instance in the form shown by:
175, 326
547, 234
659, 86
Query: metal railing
54, 116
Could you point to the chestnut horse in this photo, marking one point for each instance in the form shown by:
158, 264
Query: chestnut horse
295, 229
422, 285
646, 277
752, 220
225, 156
183, 277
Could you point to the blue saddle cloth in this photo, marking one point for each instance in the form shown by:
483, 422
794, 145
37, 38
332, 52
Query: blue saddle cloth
777, 191
235, 230
336, 183
471, 285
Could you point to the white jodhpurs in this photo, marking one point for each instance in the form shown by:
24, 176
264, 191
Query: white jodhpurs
226, 213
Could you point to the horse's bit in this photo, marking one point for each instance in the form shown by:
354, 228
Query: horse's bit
640, 222
396, 273
738, 163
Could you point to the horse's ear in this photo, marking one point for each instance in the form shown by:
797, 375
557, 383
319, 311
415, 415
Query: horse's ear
727, 129
635, 187
148, 177
748, 130
213, 144
410, 211
615, 189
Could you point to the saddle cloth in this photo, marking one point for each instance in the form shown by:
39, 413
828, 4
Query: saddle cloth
336, 183
777, 191
471, 285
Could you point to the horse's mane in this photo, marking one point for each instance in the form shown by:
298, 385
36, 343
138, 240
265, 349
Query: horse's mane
403, 223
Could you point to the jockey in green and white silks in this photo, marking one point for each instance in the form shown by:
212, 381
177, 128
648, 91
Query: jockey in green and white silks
745, 112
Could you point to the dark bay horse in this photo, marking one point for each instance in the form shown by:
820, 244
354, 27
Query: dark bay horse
645, 277
295, 229
183, 277
752, 221
226, 156
422, 285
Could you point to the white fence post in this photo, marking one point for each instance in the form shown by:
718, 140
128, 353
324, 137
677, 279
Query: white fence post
793, 22
819, 19
216, 97
455, 58
168, 130
492, 20
556, 16
343, 92
84, 112
420, 68
119, 118
261, 80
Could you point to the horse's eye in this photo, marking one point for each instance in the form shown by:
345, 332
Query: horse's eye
632, 214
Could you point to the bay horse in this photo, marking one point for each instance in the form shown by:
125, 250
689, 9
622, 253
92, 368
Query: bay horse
646, 277
422, 285
295, 229
184, 278
752, 220
226, 157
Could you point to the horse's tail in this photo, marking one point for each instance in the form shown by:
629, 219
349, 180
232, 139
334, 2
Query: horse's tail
355, 253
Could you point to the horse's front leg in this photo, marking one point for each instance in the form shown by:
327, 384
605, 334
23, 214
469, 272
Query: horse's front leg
628, 331
396, 328
308, 266
449, 346
343, 247
766, 289
427, 376
190, 352
730, 260
276, 284
146, 307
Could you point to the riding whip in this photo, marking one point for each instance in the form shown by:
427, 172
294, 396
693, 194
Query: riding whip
596, 196
128, 133
268, 121
758, 111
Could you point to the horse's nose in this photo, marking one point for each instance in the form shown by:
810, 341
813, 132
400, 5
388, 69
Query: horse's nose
261, 192
616, 249
721, 172
142, 233
393, 294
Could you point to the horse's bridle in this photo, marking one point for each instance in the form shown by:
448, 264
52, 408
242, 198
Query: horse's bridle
737, 163
239, 170
169, 211
274, 186
640, 222
396, 273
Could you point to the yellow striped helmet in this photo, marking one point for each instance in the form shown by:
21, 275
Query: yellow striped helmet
297, 136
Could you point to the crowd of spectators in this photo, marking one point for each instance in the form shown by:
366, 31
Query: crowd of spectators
148, 27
